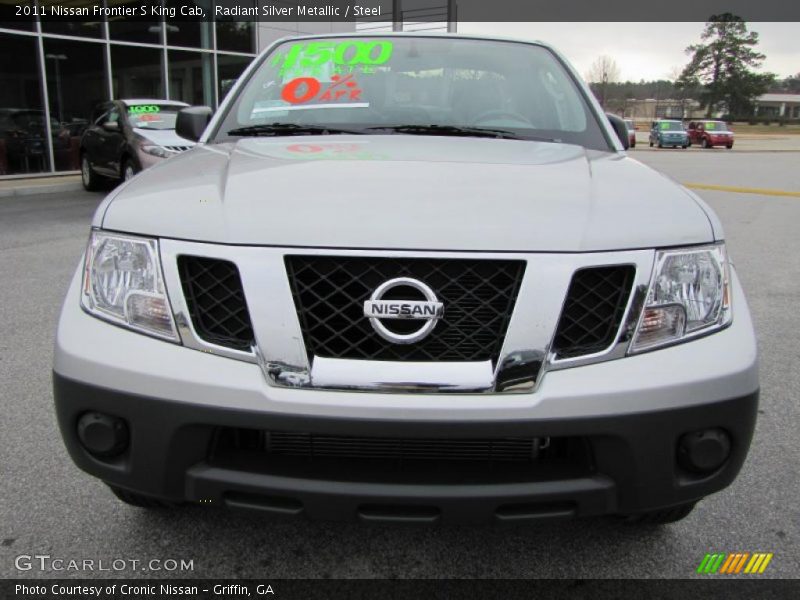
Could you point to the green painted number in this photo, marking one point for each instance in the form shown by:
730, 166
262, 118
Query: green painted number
349, 53
134, 110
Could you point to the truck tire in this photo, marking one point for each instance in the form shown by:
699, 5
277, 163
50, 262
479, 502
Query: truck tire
139, 500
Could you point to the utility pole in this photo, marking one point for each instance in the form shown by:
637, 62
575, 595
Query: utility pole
452, 16
603, 84
397, 15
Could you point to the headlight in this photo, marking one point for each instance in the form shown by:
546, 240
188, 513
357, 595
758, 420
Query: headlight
122, 283
689, 295
158, 151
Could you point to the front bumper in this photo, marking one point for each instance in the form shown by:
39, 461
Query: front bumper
633, 456
147, 160
629, 412
720, 140
674, 142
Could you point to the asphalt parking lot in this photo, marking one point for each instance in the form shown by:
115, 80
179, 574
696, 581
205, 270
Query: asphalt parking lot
49, 507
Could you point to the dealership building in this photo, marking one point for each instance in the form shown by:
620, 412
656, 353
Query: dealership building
53, 73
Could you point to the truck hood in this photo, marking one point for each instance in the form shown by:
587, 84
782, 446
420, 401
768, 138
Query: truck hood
408, 192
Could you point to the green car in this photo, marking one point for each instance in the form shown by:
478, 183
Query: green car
668, 134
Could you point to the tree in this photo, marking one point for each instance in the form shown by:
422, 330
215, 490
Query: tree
682, 93
790, 85
603, 71
722, 64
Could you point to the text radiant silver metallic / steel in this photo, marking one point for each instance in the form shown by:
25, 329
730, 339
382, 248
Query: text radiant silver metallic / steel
281, 352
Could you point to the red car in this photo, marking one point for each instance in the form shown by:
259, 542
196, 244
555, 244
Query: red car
710, 133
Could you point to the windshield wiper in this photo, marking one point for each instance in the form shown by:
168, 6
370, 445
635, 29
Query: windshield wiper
456, 130
290, 129
450, 130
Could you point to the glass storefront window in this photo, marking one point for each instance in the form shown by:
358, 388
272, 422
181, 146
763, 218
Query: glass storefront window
137, 72
66, 68
229, 68
23, 135
79, 28
76, 83
191, 34
144, 30
10, 19
236, 36
191, 77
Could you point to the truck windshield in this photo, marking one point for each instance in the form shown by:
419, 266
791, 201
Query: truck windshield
412, 85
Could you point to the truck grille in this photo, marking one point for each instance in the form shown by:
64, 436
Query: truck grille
593, 310
395, 459
478, 296
215, 299
311, 445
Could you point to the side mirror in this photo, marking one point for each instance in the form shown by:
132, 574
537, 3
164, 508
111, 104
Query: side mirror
111, 126
192, 122
620, 129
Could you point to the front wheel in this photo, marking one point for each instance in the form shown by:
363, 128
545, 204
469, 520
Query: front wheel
685, 146
729, 146
89, 179
705, 144
661, 517
651, 143
129, 170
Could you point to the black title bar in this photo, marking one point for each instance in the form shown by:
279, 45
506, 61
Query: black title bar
403, 10
373, 589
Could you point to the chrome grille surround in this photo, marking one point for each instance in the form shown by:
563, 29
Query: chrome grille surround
525, 356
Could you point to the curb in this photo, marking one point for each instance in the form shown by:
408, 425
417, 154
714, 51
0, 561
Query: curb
33, 190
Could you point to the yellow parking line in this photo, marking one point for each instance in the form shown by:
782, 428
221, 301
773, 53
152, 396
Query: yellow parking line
742, 190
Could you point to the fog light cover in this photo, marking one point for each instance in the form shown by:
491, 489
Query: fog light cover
122, 283
704, 451
689, 295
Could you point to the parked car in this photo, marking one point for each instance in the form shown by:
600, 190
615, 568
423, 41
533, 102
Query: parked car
631, 125
127, 136
710, 133
668, 134
432, 290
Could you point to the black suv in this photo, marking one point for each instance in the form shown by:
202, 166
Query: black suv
126, 136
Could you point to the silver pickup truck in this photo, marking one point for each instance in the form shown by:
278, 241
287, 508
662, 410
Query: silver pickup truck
407, 278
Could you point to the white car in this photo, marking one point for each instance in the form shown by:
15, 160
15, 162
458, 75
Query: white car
407, 278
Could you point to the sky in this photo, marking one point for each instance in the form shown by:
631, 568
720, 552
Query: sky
645, 50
